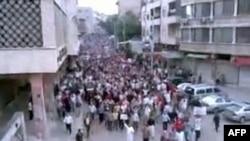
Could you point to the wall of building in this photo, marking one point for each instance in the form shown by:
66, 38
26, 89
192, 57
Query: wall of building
56, 40
73, 44
14, 61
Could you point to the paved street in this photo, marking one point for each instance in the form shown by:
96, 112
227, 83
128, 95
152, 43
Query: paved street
99, 133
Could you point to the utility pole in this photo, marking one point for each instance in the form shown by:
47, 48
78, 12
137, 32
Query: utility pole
124, 30
152, 44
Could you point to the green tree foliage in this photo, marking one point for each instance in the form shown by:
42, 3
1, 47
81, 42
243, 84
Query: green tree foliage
109, 25
116, 25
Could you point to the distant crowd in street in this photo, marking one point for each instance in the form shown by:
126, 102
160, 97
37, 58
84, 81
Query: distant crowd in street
124, 94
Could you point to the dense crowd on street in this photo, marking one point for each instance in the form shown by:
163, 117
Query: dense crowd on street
124, 94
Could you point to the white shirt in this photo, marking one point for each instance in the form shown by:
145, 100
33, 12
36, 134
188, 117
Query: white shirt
167, 97
159, 87
73, 98
165, 118
135, 117
30, 108
92, 108
145, 92
197, 124
168, 108
130, 133
68, 120
147, 111
152, 130
180, 136
146, 100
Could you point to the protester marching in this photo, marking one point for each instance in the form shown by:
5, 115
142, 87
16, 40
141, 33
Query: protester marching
124, 94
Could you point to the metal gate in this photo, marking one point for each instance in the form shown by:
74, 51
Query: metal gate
205, 70
244, 76
229, 70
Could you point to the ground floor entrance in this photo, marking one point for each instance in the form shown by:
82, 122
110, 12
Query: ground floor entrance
16, 91
212, 70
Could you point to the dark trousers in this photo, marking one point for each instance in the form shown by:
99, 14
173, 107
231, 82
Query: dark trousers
101, 118
197, 135
109, 125
165, 125
135, 125
121, 124
115, 124
31, 115
68, 128
88, 130
145, 139
217, 125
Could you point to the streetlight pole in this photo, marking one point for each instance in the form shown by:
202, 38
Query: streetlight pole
124, 29
152, 42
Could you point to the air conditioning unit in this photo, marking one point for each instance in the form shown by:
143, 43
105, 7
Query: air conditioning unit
185, 21
204, 20
210, 20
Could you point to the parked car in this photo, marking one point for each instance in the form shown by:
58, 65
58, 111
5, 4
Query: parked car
239, 112
215, 103
177, 80
183, 86
198, 91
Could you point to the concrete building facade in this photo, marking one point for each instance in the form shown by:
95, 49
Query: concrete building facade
215, 37
35, 43
160, 22
129, 5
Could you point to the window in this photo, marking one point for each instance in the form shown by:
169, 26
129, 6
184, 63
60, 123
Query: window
209, 90
243, 35
223, 35
219, 100
201, 91
216, 90
185, 34
243, 7
202, 10
200, 35
247, 109
189, 91
223, 8
172, 9
187, 11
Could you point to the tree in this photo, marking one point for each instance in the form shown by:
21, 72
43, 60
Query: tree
109, 24
116, 25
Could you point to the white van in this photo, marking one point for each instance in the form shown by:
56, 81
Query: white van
201, 90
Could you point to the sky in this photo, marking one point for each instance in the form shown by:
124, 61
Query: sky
103, 6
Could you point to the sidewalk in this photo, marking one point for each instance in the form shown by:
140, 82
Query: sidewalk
237, 93
57, 131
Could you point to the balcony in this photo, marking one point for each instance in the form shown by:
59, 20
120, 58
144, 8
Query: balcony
233, 49
30, 60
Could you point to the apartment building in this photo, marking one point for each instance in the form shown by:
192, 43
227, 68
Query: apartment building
215, 35
160, 23
129, 5
151, 20
36, 38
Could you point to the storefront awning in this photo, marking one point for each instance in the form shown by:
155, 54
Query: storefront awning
171, 55
241, 61
200, 56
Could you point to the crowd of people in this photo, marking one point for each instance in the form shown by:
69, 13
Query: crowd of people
124, 94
